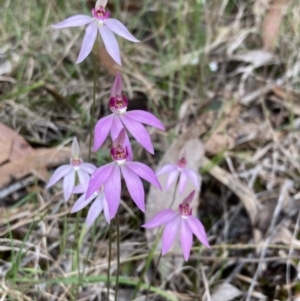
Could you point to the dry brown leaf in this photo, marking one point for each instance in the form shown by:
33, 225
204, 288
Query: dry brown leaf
225, 292
20, 148
272, 22
223, 137
5, 150
35, 163
160, 200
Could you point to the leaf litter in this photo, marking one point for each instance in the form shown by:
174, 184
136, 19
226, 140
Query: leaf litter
246, 147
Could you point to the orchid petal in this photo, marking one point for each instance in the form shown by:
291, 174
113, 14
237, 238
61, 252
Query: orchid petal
182, 180
189, 198
144, 172
171, 178
88, 167
186, 239
75, 148
198, 229
88, 41
112, 189
59, 173
166, 168
116, 127
194, 177
117, 27
111, 44
83, 176
120, 138
170, 232
117, 86
81, 203
161, 218
102, 128
69, 183
139, 132
95, 210
99, 177
146, 118
100, 3
74, 21
106, 210
81, 188
134, 186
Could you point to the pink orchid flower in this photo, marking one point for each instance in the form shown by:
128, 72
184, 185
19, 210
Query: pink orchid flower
99, 204
120, 118
69, 171
110, 176
106, 26
183, 221
182, 171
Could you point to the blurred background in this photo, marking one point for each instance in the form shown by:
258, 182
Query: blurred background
223, 77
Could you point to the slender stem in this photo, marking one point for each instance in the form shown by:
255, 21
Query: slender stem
118, 257
151, 254
109, 260
94, 99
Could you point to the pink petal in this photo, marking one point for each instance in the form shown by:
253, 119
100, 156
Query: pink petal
99, 177
139, 132
166, 168
186, 239
95, 210
88, 167
83, 176
100, 3
117, 86
81, 188
120, 138
59, 173
194, 177
102, 128
117, 27
198, 229
88, 41
169, 235
146, 118
171, 178
144, 172
189, 198
74, 21
81, 203
112, 189
134, 186
182, 180
111, 44
69, 183
161, 218
106, 210
116, 127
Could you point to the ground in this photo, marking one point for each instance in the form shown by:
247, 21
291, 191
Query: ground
223, 77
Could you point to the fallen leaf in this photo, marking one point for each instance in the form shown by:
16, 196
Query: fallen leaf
225, 292
20, 147
225, 135
5, 150
33, 163
271, 23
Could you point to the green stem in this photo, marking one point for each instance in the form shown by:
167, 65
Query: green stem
118, 257
94, 99
152, 252
109, 260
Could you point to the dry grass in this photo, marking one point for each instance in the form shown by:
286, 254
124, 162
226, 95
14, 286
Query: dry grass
246, 112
